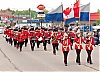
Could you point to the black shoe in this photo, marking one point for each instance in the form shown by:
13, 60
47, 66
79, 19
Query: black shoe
20, 50
54, 53
79, 63
87, 61
45, 49
91, 63
32, 49
65, 64
25, 45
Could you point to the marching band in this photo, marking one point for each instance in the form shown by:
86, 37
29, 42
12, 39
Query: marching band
37, 35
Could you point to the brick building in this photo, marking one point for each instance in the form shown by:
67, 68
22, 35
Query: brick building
5, 13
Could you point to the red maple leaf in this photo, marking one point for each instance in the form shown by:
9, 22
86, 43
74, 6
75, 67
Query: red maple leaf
67, 11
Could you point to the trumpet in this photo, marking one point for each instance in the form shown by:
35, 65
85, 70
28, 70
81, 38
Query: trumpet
54, 38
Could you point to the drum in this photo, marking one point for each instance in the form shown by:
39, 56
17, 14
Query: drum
40, 39
8, 37
46, 39
33, 39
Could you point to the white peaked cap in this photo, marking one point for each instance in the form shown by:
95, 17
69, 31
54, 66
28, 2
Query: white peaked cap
65, 34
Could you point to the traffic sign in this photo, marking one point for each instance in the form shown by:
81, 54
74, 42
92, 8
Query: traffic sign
41, 14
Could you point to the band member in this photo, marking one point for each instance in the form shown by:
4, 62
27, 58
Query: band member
6, 34
11, 36
78, 46
89, 47
65, 47
38, 37
72, 37
32, 37
26, 34
50, 35
20, 39
15, 37
46, 39
55, 42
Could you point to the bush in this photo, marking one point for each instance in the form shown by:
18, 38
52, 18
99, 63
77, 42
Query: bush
3, 25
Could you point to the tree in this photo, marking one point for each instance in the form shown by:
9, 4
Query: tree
98, 11
11, 10
45, 11
98, 21
26, 12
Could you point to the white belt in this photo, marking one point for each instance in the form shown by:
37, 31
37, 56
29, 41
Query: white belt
65, 46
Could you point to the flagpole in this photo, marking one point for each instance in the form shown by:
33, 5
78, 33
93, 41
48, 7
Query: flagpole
79, 15
89, 21
63, 17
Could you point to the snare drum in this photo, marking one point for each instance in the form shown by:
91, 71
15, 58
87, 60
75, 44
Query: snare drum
8, 37
46, 39
33, 39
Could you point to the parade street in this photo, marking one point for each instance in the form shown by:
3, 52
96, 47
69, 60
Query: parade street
12, 59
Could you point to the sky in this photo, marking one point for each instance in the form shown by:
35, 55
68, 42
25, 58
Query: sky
49, 4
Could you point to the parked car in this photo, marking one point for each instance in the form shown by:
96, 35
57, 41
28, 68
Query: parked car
1, 30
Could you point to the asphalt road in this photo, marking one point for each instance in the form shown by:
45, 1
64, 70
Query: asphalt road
12, 59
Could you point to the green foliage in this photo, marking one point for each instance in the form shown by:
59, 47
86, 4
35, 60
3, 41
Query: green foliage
27, 12
3, 25
98, 21
98, 11
45, 11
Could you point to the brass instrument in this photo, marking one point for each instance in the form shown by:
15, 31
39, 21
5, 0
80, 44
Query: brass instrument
54, 38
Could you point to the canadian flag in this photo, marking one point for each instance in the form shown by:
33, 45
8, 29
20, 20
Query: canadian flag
73, 11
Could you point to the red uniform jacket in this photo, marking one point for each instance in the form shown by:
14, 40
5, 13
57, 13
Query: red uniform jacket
8, 33
26, 34
50, 33
59, 34
20, 37
42, 33
46, 34
15, 36
32, 34
11, 33
89, 43
38, 34
78, 43
5, 31
65, 45
55, 39
71, 35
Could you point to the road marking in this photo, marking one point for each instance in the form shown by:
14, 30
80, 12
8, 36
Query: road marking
74, 61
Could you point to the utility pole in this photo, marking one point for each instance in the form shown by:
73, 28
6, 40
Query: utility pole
30, 14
